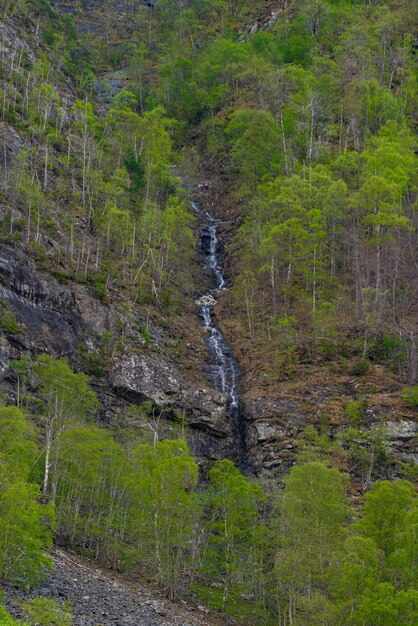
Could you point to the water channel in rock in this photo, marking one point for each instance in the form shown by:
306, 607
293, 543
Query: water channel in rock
222, 370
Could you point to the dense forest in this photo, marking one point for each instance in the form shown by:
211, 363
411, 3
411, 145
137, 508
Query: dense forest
293, 122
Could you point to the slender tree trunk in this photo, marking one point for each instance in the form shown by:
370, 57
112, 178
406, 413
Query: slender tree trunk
48, 446
312, 126
378, 275
314, 284
273, 283
286, 164
46, 168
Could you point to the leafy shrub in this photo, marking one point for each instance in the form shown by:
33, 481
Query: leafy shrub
7, 620
47, 612
355, 411
48, 36
61, 276
99, 288
92, 361
387, 347
8, 322
145, 334
410, 395
24, 533
360, 367
39, 254
329, 351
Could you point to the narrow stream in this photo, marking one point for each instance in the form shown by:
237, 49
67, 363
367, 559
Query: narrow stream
222, 370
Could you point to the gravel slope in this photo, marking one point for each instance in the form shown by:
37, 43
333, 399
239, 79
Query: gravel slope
103, 599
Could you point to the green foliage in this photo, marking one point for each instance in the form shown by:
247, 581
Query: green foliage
145, 334
378, 576
385, 606
310, 122
410, 395
24, 534
314, 501
94, 362
64, 391
99, 288
142, 508
8, 321
47, 612
164, 509
7, 619
387, 507
317, 110
388, 346
313, 510
94, 517
67, 398
233, 534
253, 140
135, 171
360, 367
18, 450
355, 411
11, 8
24, 523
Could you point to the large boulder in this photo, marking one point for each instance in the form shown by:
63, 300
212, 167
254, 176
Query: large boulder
145, 377
206, 409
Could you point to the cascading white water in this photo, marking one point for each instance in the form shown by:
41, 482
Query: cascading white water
222, 370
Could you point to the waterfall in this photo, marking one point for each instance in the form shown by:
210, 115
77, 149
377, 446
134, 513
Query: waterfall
222, 369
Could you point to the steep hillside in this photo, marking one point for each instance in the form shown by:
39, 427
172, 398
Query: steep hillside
208, 309
74, 277
101, 597
301, 361
287, 353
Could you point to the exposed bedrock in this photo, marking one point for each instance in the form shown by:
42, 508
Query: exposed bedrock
140, 377
45, 310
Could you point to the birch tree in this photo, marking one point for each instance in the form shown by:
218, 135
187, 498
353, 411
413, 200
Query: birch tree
67, 399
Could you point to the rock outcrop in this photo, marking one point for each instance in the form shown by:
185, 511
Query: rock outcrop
55, 318
45, 310
140, 377
145, 378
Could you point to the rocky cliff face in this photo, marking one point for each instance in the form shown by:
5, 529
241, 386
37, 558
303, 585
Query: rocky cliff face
276, 424
145, 359
279, 410
58, 319
164, 370
47, 313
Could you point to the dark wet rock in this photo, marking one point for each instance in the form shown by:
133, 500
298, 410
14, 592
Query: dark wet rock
206, 410
45, 308
138, 377
403, 436
278, 408
11, 141
96, 315
6, 354
266, 431
273, 425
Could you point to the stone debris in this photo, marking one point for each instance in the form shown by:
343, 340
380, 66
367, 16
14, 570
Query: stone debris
99, 598
206, 300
